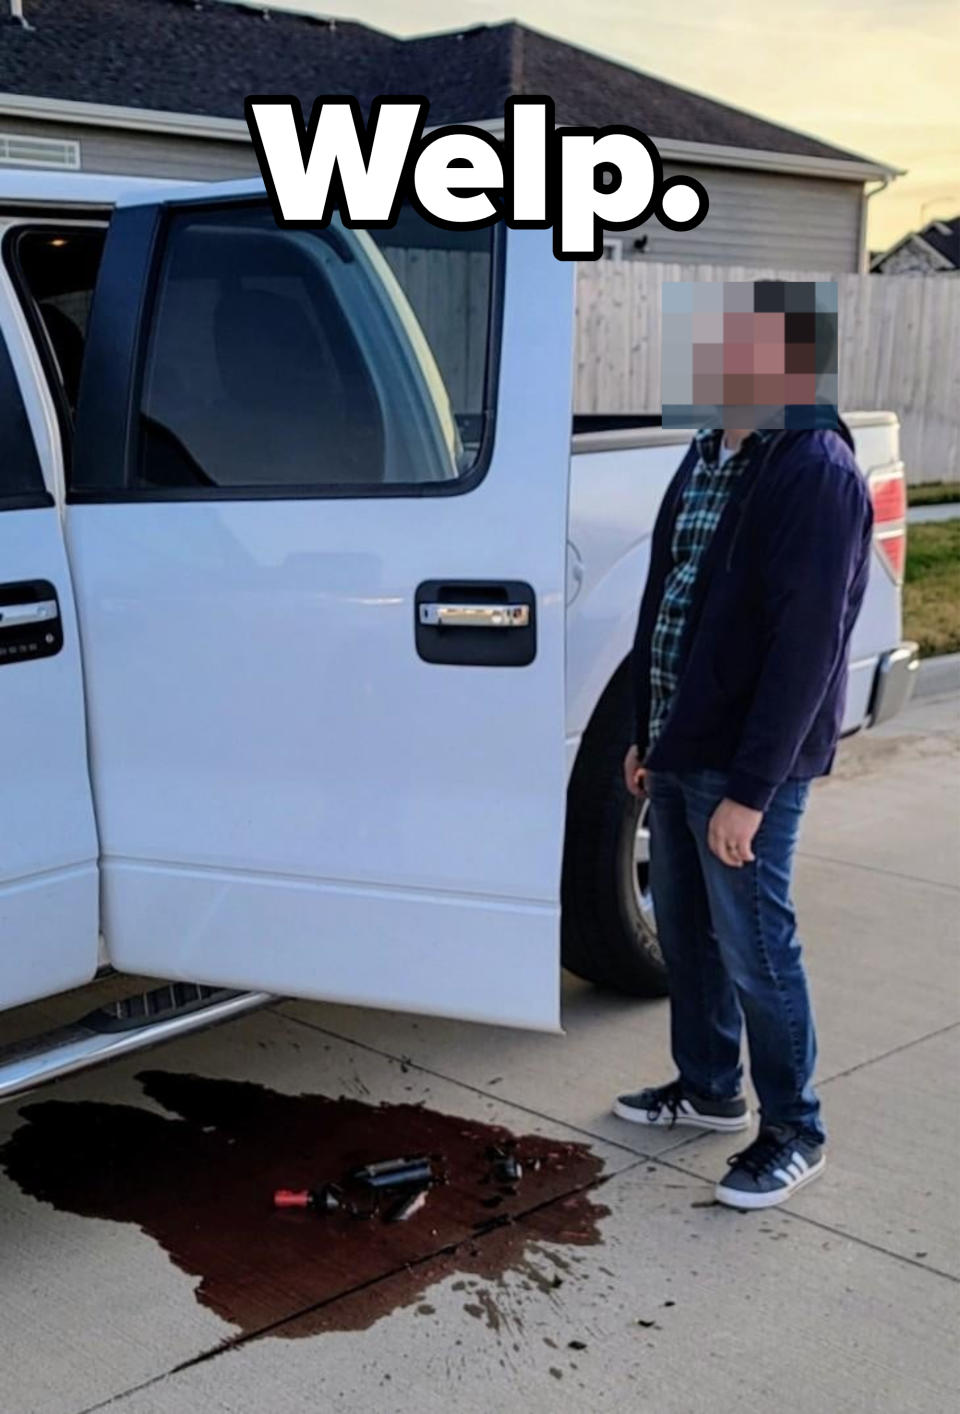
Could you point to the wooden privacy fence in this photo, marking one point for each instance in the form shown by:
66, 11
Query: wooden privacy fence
899, 348
899, 344
449, 291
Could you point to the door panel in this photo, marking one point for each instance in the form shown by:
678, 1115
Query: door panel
291, 796
48, 842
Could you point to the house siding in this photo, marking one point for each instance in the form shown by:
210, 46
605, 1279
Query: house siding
763, 218
144, 154
755, 217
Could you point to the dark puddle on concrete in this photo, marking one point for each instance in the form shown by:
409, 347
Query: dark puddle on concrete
201, 1185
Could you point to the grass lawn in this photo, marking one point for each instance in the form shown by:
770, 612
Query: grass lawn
931, 589
932, 493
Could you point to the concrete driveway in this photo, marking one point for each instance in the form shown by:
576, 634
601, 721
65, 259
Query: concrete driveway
631, 1293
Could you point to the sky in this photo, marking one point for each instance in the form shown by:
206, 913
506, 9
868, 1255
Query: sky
879, 78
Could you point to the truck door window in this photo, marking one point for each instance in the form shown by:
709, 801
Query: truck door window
448, 277
278, 361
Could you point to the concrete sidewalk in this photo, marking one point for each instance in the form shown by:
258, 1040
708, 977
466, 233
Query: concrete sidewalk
938, 677
844, 1301
946, 510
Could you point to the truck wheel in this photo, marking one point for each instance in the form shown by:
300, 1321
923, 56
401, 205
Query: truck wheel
609, 933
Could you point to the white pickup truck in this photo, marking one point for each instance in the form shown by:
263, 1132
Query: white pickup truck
313, 634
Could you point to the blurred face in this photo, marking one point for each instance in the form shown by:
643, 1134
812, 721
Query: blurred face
744, 355
752, 363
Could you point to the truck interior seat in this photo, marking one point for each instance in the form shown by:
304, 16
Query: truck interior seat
66, 341
286, 399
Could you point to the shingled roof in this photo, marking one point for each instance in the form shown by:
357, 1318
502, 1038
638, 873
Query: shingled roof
936, 247
944, 236
204, 57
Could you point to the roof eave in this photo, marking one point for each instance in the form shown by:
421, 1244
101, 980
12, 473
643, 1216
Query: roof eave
710, 154
859, 169
201, 125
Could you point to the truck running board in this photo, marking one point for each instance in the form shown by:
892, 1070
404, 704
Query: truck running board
118, 1029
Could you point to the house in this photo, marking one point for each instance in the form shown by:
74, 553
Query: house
933, 251
156, 87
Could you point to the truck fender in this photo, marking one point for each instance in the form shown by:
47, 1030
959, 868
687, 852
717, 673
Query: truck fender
601, 625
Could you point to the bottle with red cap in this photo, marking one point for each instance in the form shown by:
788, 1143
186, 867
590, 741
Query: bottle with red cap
328, 1199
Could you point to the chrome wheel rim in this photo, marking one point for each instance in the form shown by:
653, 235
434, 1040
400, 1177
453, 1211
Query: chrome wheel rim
640, 870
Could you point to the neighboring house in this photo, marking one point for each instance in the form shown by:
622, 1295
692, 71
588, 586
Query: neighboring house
156, 87
933, 251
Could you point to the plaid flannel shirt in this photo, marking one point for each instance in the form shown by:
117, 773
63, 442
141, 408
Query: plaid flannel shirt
698, 516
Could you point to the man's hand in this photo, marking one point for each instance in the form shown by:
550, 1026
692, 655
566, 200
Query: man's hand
731, 831
633, 772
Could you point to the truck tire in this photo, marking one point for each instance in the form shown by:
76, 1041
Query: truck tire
608, 932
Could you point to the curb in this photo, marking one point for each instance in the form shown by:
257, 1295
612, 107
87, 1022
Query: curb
938, 675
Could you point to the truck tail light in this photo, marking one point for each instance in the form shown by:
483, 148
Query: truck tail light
888, 492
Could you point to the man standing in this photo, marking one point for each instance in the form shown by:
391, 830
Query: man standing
759, 562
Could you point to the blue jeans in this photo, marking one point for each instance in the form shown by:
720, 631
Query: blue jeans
729, 940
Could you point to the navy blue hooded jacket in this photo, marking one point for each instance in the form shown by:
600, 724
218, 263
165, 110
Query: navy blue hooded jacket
765, 648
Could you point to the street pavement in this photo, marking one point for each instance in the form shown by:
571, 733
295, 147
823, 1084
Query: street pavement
846, 1300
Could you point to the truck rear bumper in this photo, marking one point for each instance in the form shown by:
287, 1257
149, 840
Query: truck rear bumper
894, 682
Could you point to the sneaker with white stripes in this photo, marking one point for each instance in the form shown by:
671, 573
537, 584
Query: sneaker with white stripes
672, 1104
771, 1169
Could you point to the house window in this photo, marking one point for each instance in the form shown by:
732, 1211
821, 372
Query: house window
60, 154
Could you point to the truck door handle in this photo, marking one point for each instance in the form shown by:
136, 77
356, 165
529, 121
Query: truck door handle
30, 625
475, 615
19, 614
448, 612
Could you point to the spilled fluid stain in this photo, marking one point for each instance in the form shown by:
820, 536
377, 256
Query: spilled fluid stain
201, 1184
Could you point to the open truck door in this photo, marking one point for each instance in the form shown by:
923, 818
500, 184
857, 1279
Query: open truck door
48, 838
320, 563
